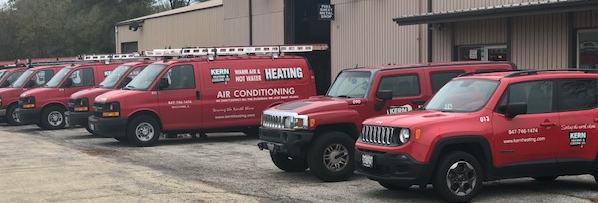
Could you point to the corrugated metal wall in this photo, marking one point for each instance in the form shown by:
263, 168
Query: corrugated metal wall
541, 42
588, 19
447, 5
492, 31
236, 22
363, 33
196, 28
268, 22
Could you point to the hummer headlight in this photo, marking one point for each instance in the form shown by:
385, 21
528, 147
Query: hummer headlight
295, 122
404, 135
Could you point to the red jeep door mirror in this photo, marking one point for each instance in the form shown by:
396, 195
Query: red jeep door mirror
515, 109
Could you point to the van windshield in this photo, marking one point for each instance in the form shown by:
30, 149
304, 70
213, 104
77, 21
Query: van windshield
55, 81
22, 79
114, 76
146, 77
466, 95
351, 84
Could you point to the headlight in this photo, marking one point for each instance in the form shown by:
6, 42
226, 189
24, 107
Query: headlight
404, 135
27, 102
295, 123
111, 110
81, 105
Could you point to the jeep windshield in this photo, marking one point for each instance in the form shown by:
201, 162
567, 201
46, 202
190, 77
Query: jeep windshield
465, 95
145, 78
55, 81
22, 79
351, 84
113, 77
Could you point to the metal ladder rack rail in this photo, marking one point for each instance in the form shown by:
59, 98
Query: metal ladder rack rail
234, 51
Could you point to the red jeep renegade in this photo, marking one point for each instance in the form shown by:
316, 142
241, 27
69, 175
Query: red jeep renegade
46, 106
200, 95
539, 124
32, 78
319, 133
79, 106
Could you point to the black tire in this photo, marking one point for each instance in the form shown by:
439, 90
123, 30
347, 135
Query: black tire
146, 124
288, 164
91, 131
10, 117
459, 160
394, 186
316, 162
52, 118
545, 178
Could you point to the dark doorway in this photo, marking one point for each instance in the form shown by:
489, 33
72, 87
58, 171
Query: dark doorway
302, 26
129, 47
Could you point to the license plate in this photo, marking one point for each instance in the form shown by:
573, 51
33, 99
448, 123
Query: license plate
92, 126
367, 160
271, 146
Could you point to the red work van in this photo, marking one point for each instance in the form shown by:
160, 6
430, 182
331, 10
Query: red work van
200, 95
32, 78
46, 106
8, 76
79, 106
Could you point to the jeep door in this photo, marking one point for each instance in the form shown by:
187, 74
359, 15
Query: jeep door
529, 139
407, 92
178, 98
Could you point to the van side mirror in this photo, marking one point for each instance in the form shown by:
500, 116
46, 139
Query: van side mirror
125, 82
381, 97
5, 84
29, 84
68, 83
515, 109
163, 84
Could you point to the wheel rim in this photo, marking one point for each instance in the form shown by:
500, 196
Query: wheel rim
144, 132
336, 157
15, 117
461, 178
55, 118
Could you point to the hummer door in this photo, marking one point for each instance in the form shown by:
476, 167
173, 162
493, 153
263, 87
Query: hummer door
406, 91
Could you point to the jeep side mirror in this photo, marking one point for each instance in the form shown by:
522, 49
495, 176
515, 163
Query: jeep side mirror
125, 82
381, 97
163, 84
515, 109
68, 83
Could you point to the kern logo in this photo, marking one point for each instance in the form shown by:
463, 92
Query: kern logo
283, 73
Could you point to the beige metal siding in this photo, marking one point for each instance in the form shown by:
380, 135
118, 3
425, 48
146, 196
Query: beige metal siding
268, 22
588, 19
541, 42
442, 43
195, 28
363, 33
448, 5
236, 22
493, 31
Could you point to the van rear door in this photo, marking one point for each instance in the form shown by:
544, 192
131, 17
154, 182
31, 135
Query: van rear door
179, 98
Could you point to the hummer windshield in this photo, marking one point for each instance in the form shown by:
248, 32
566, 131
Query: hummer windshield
114, 76
351, 84
55, 81
22, 79
146, 77
466, 95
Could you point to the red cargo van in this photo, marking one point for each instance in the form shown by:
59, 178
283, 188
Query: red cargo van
32, 78
200, 95
46, 106
8, 76
79, 106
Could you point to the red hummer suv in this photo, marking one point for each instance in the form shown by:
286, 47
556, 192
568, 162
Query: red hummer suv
32, 78
79, 106
46, 106
539, 124
319, 133
200, 95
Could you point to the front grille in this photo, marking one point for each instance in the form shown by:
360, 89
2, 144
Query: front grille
272, 121
379, 135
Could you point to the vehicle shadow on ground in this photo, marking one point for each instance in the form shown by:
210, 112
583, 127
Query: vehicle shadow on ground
185, 141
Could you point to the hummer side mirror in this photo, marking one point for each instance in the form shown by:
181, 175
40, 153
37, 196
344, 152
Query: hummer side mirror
381, 97
515, 109
68, 83
163, 84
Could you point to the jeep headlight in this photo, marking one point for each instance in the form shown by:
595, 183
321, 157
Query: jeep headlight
295, 122
404, 135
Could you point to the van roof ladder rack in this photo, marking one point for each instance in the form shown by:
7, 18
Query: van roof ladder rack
275, 51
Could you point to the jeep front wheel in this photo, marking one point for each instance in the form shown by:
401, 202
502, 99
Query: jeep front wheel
330, 158
52, 118
143, 131
458, 178
288, 164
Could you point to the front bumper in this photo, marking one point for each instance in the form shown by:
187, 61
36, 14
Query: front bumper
393, 168
28, 116
77, 118
282, 141
108, 127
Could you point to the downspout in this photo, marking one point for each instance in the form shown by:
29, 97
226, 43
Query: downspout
250, 22
116, 40
430, 35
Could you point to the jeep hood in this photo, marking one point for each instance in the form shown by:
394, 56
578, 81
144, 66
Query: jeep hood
315, 104
419, 118
89, 93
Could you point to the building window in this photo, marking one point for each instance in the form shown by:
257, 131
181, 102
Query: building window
482, 53
129, 47
587, 49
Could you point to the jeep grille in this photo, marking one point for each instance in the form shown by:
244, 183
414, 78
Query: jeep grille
379, 135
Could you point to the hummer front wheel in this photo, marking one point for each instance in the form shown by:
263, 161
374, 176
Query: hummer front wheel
330, 158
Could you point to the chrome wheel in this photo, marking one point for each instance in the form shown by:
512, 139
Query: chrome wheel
461, 178
144, 132
15, 117
55, 118
336, 157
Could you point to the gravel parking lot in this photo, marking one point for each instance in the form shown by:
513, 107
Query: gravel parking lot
70, 165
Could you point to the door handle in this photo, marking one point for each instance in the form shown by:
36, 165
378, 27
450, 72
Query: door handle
197, 95
547, 124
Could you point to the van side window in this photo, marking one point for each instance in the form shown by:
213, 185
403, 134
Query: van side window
538, 95
41, 77
576, 95
82, 77
401, 86
439, 79
181, 77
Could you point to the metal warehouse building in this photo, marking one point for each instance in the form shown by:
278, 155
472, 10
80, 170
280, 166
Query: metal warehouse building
539, 34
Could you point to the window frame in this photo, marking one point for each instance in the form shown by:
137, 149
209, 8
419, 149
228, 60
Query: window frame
178, 66
80, 75
419, 84
554, 99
